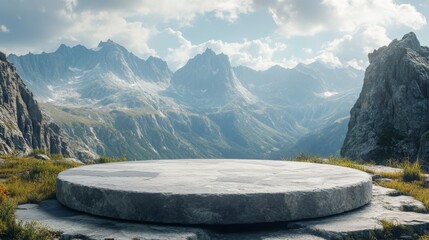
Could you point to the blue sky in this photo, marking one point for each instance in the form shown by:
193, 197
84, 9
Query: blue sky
254, 33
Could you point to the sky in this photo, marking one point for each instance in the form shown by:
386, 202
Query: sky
254, 33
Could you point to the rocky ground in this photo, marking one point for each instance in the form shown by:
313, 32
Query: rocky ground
387, 208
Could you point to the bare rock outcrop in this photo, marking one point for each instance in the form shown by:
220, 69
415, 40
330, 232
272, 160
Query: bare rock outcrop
22, 125
391, 117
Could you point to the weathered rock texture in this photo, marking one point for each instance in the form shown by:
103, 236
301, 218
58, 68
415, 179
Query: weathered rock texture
424, 147
216, 191
22, 126
391, 116
386, 204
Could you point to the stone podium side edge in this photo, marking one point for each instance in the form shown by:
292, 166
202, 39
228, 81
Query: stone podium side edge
213, 208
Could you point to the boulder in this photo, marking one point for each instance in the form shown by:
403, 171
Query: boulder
42, 157
86, 156
73, 160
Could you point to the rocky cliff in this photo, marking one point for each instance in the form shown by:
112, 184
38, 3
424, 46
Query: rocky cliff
391, 117
22, 126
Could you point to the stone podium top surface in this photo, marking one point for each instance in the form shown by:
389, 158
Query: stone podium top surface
215, 176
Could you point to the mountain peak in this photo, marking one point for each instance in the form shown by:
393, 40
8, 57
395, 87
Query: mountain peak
106, 43
211, 56
62, 48
156, 61
275, 68
209, 52
209, 78
410, 40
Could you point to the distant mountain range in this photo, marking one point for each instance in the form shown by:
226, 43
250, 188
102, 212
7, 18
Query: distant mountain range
110, 102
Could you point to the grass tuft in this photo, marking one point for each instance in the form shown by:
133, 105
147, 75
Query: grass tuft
106, 159
38, 151
394, 230
35, 231
7, 216
411, 172
344, 162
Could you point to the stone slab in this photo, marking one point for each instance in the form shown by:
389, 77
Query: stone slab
386, 204
358, 223
213, 191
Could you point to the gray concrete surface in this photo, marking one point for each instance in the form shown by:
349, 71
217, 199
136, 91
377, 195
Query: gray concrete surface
213, 191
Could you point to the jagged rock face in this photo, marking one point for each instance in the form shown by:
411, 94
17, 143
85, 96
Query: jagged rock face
424, 147
22, 126
392, 113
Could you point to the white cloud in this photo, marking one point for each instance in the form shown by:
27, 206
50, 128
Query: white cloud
336, 43
43, 25
329, 58
3, 28
308, 17
358, 64
307, 50
183, 10
373, 37
345, 51
90, 28
257, 54
358, 26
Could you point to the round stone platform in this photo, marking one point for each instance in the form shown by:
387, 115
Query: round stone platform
218, 191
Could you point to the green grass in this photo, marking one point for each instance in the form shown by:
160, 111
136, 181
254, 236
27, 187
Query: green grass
409, 181
37, 151
53, 156
393, 230
331, 160
30, 180
416, 189
424, 237
106, 159
411, 172
26, 180
10, 229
